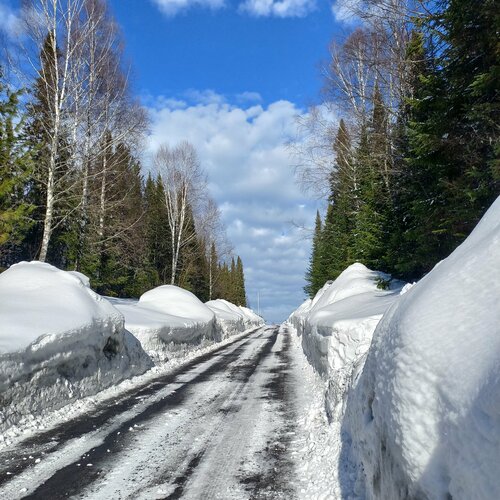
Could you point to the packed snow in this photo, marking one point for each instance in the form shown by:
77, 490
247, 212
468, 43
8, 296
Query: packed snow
232, 318
415, 413
165, 317
59, 341
168, 316
337, 325
424, 416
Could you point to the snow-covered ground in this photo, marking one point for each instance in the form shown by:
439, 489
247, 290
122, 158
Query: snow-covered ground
424, 415
169, 318
165, 317
421, 418
337, 326
60, 341
316, 441
232, 319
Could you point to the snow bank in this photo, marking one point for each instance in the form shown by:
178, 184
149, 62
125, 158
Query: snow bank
166, 316
58, 341
231, 318
424, 416
337, 326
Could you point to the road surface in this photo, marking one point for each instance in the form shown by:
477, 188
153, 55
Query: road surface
219, 427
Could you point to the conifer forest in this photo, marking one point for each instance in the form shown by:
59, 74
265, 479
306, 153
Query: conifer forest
413, 163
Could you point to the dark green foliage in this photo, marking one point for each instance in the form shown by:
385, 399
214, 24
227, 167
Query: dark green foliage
230, 284
315, 273
156, 228
15, 168
425, 177
343, 208
38, 130
452, 159
240, 293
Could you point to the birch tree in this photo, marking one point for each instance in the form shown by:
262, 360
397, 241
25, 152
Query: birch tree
53, 51
185, 189
111, 117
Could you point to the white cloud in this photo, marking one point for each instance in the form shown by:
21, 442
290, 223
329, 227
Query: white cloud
10, 23
345, 11
246, 97
173, 7
243, 151
278, 8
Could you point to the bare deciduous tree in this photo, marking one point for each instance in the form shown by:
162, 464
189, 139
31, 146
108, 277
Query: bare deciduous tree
52, 28
75, 50
185, 189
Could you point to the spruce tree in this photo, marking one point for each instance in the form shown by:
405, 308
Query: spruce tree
368, 233
15, 167
452, 133
213, 272
315, 274
60, 226
240, 296
157, 230
339, 220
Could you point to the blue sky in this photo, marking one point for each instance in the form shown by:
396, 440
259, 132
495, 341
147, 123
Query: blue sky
231, 77
225, 50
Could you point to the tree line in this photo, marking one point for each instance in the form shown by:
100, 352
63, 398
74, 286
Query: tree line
413, 163
72, 187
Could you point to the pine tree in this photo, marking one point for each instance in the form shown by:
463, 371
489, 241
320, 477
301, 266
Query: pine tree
213, 272
52, 190
222, 285
231, 292
122, 266
368, 225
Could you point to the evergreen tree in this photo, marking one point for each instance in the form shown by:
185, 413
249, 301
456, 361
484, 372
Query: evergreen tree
157, 230
61, 229
122, 268
368, 235
315, 275
452, 133
339, 220
15, 167
231, 292
240, 292
223, 283
213, 272
193, 267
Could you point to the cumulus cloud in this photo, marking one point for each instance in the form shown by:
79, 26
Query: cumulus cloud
242, 147
278, 8
173, 7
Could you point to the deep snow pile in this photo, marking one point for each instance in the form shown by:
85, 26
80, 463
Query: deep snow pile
165, 316
424, 416
59, 341
232, 318
338, 324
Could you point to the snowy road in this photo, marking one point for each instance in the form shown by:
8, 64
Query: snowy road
220, 427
